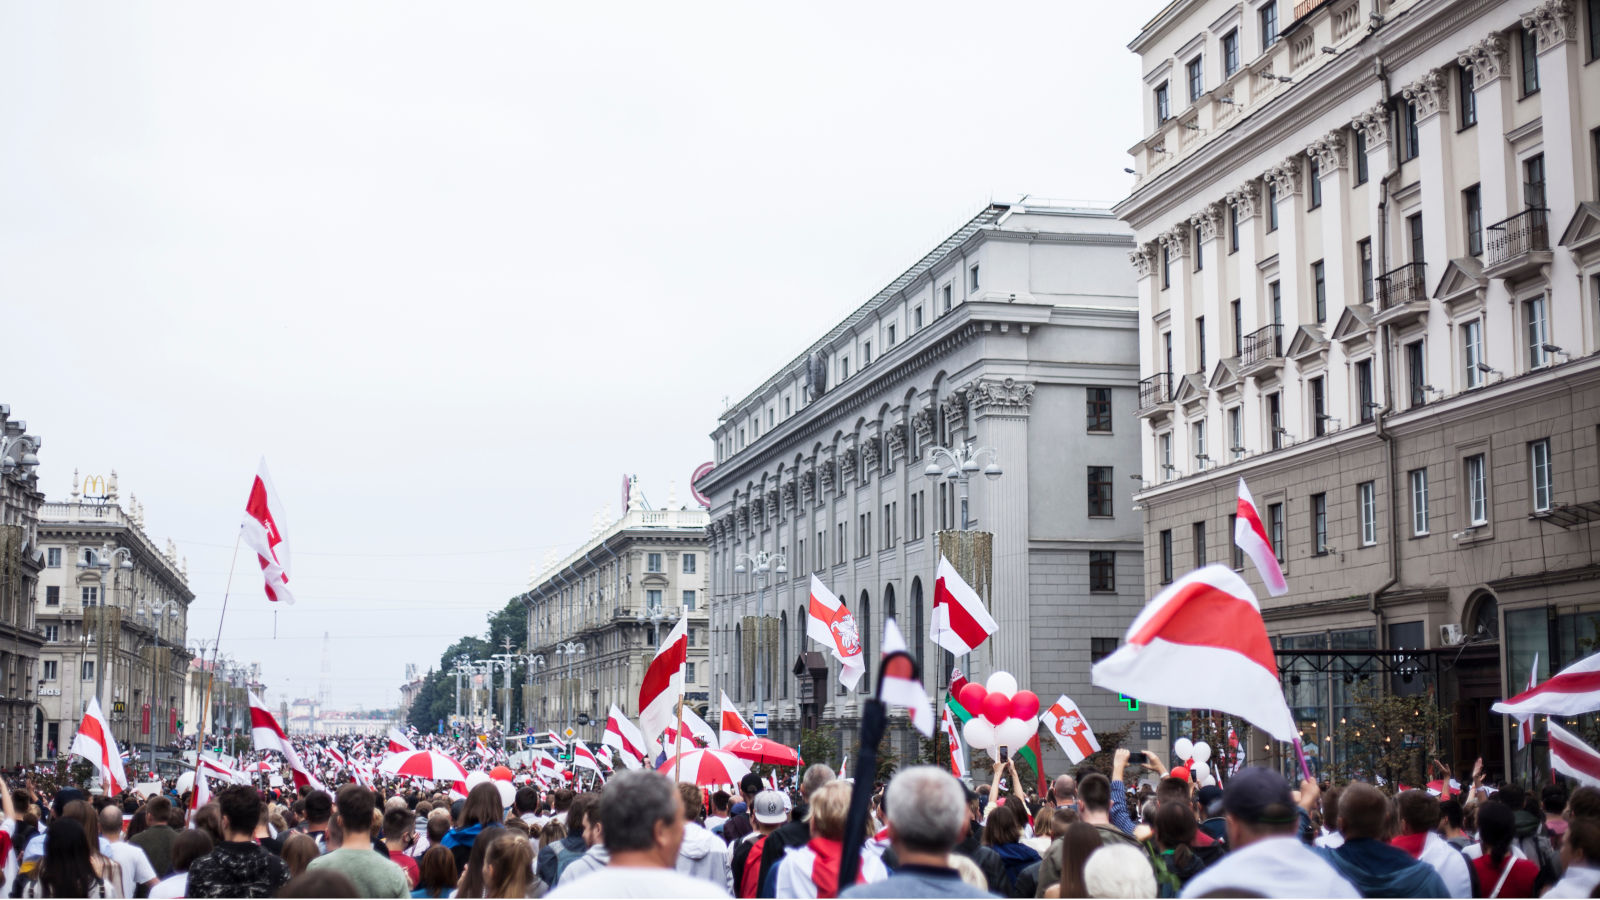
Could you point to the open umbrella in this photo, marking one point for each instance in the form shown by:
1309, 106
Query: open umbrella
761, 750
429, 764
706, 767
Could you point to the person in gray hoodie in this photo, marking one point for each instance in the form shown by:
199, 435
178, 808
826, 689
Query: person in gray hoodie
595, 858
702, 854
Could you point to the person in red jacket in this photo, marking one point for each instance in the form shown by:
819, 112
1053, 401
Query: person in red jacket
767, 812
1500, 874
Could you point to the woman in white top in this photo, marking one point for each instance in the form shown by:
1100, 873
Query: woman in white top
187, 847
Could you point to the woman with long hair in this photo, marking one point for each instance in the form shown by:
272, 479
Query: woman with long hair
481, 810
298, 852
472, 883
552, 833
1175, 830
436, 874
1003, 833
1499, 873
508, 868
104, 866
188, 846
67, 869
1078, 843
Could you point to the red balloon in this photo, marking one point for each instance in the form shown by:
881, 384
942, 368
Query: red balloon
972, 696
1180, 772
996, 708
1024, 705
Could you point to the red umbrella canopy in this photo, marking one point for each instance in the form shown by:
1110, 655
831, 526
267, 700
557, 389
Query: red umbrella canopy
761, 750
706, 767
429, 764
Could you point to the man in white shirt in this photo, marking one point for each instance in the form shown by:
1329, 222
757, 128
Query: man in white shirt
1419, 819
136, 868
641, 819
1267, 858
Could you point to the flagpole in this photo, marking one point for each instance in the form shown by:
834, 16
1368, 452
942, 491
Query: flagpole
677, 747
211, 675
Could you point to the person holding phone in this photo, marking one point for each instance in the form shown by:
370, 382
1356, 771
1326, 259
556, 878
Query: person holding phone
1006, 764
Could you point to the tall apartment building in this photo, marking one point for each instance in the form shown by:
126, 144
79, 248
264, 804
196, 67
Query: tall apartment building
596, 617
1369, 265
1017, 334
21, 561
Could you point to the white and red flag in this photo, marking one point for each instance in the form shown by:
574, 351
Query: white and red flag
559, 741
1251, 536
1571, 756
583, 757
696, 733
268, 735
663, 681
958, 756
398, 742
1525, 723
957, 682
95, 743
1572, 691
829, 623
1201, 644
632, 747
1071, 729
960, 620
606, 759
896, 690
201, 795
263, 533
734, 727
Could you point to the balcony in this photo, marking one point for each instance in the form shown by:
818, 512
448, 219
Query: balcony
1518, 246
1402, 294
1262, 351
1155, 395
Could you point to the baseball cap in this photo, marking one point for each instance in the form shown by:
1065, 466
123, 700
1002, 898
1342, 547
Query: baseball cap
1208, 798
768, 808
1259, 795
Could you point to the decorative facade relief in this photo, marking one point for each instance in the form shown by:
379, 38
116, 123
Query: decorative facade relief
1486, 59
896, 437
1430, 94
1374, 126
1551, 23
808, 481
1331, 151
922, 421
788, 498
871, 451
1285, 177
1245, 201
1175, 241
955, 409
1207, 220
847, 464
826, 472
1008, 397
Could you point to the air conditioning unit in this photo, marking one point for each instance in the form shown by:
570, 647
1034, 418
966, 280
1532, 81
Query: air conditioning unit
1451, 634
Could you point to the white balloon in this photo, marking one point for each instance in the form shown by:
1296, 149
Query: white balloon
1014, 733
979, 733
476, 778
1200, 770
1202, 752
185, 782
1208, 781
1001, 683
1183, 748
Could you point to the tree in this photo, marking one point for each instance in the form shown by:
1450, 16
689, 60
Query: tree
888, 760
818, 746
1391, 736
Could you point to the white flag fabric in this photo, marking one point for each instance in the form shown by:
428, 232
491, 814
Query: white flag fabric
960, 620
663, 681
1572, 757
734, 727
398, 742
263, 533
94, 742
1071, 730
1525, 722
583, 757
268, 735
1572, 691
630, 743
1251, 536
829, 623
906, 692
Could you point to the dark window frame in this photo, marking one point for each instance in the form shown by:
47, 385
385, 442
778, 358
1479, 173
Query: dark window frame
1467, 96
1101, 501
1472, 218
1102, 571
1528, 57
1098, 410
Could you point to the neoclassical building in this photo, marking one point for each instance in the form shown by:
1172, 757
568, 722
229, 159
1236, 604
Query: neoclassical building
1369, 266
21, 561
1016, 334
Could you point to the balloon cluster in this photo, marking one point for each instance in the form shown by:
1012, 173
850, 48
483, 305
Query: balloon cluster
1002, 716
1197, 760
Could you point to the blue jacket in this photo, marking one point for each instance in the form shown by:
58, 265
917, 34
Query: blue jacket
1380, 870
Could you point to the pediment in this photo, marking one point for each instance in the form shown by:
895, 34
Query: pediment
1191, 389
1463, 279
1225, 375
1354, 323
1308, 341
1583, 232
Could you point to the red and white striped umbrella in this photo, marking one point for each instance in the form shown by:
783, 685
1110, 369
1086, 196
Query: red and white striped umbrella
429, 764
707, 767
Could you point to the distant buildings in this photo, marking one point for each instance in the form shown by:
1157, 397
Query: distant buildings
21, 561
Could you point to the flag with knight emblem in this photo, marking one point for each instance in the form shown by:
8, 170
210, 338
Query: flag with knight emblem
1071, 730
829, 623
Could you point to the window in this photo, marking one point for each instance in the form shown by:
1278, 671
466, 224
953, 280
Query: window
1199, 531
1472, 203
1416, 375
1361, 157
1539, 472
1233, 228
1166, 556
50, 669
1196, 73
821, 561
1319, 524
52, 557
1272, 207
1533, 316
1269, 24
1319, 406
866, 353
1166, 342
1103, 571
689, 564
1099, 409
1275, 420
90, 596
52, 596
652, 598
1236, 308
888, 525
1100, 491
1100, 648
1411, 146
1199, 256
688, 601
1198, 429
1419, 502
863, 535
1533, 182
890, 335
1414, 229
1164, 443
1163, 104
1469, 97
1200, 342
972, 277
1166, 267
1472, 352
916, 319
946, 298
1319, 286
1477, 490
88, 670
1275, 528
652, 562
1592, 13
1314, 185
1275, 295
52, 633
1235, 432
1364, 390
1235, 550
844, 367
1230, 53
1364, 254
1367, 506
1530, 62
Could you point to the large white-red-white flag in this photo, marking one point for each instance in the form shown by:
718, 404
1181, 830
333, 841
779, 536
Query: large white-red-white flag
960, 620
958, 756
829, 623
663, 681
630, 743
268, 735
1071, 729
897, 690
1571, 756
1572, 691
398, 742
1525, 723
584, 758
1201, 644
734, 727
1251, 536
263, 533
95, 743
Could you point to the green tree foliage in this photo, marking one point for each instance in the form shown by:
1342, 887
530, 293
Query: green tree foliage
437, 698
1390, 736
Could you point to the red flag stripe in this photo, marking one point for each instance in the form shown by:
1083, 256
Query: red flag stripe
1574, 753
1572, 683
1201, 614
961, 621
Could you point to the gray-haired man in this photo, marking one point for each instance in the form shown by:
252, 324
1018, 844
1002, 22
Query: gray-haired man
927, 819
641, 820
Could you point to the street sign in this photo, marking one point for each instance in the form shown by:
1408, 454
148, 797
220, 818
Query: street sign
583, 718
570, 733
758, 724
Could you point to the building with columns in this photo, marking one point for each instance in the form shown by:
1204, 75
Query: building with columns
1016, 333
21, 561
596, 617
1368, 250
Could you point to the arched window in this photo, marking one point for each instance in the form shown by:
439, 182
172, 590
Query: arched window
918, 626
783, 656
864, 625
888, 601
738, 676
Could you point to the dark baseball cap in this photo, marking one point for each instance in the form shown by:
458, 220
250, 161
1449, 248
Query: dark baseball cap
751, 784
1209, 798
1259, 795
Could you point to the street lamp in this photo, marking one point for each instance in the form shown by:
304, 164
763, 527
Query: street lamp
535, 663
958, 466
573, 651
104, 561
158, 613
761, 564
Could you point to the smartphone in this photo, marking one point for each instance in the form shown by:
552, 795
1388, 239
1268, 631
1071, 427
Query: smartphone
1003, 754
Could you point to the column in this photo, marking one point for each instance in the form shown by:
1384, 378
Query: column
1143, 260
1374, 127
1430, 95
1000, 408
1294, 280
1564, 155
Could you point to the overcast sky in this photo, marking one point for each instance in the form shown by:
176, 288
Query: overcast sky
455, 268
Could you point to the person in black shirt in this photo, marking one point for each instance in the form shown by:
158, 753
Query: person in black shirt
238, 867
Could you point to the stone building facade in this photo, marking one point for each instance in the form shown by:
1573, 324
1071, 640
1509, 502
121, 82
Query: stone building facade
21, 561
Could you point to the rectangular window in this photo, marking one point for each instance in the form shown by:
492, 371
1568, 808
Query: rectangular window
1319, 406
688, 601
1236, 432
1472, 352
1530, 62
916, 319
1275, 420
689, 564
820, 548
1233, 228
1275, 528
1201, 457
1166, 556
1163, 104
1472, 203
1416, 373
1103, 571
972, 277
52, 596
844, 367
652, 598
688, 672
1477, 490
90, 596
1412, 146
1538, 331
50, 669
1592, 13
840, 551
1364, 390
88, 670
946, 299
52, 557
1199, 544
1533, 182
1100, 491
1272, 207
1367, 506
1237, 551
891, 336
652, 562
52, 633
1319, 524
1164, 442
1539, 473
1166, 267
1101, 647
1237, 310
1361, 157
1319, 288
1269, 24
1099, 409
1419, 502
866, 353
1230, 53
1197, 82
1200, 342
1199, 254
1275, 296
1469, 97
1364, 254
1314, 183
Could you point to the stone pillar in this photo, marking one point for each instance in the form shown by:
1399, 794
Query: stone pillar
1565, 156
1294, 280
1430, 94
1001, 410
1246, 203
1374, 127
